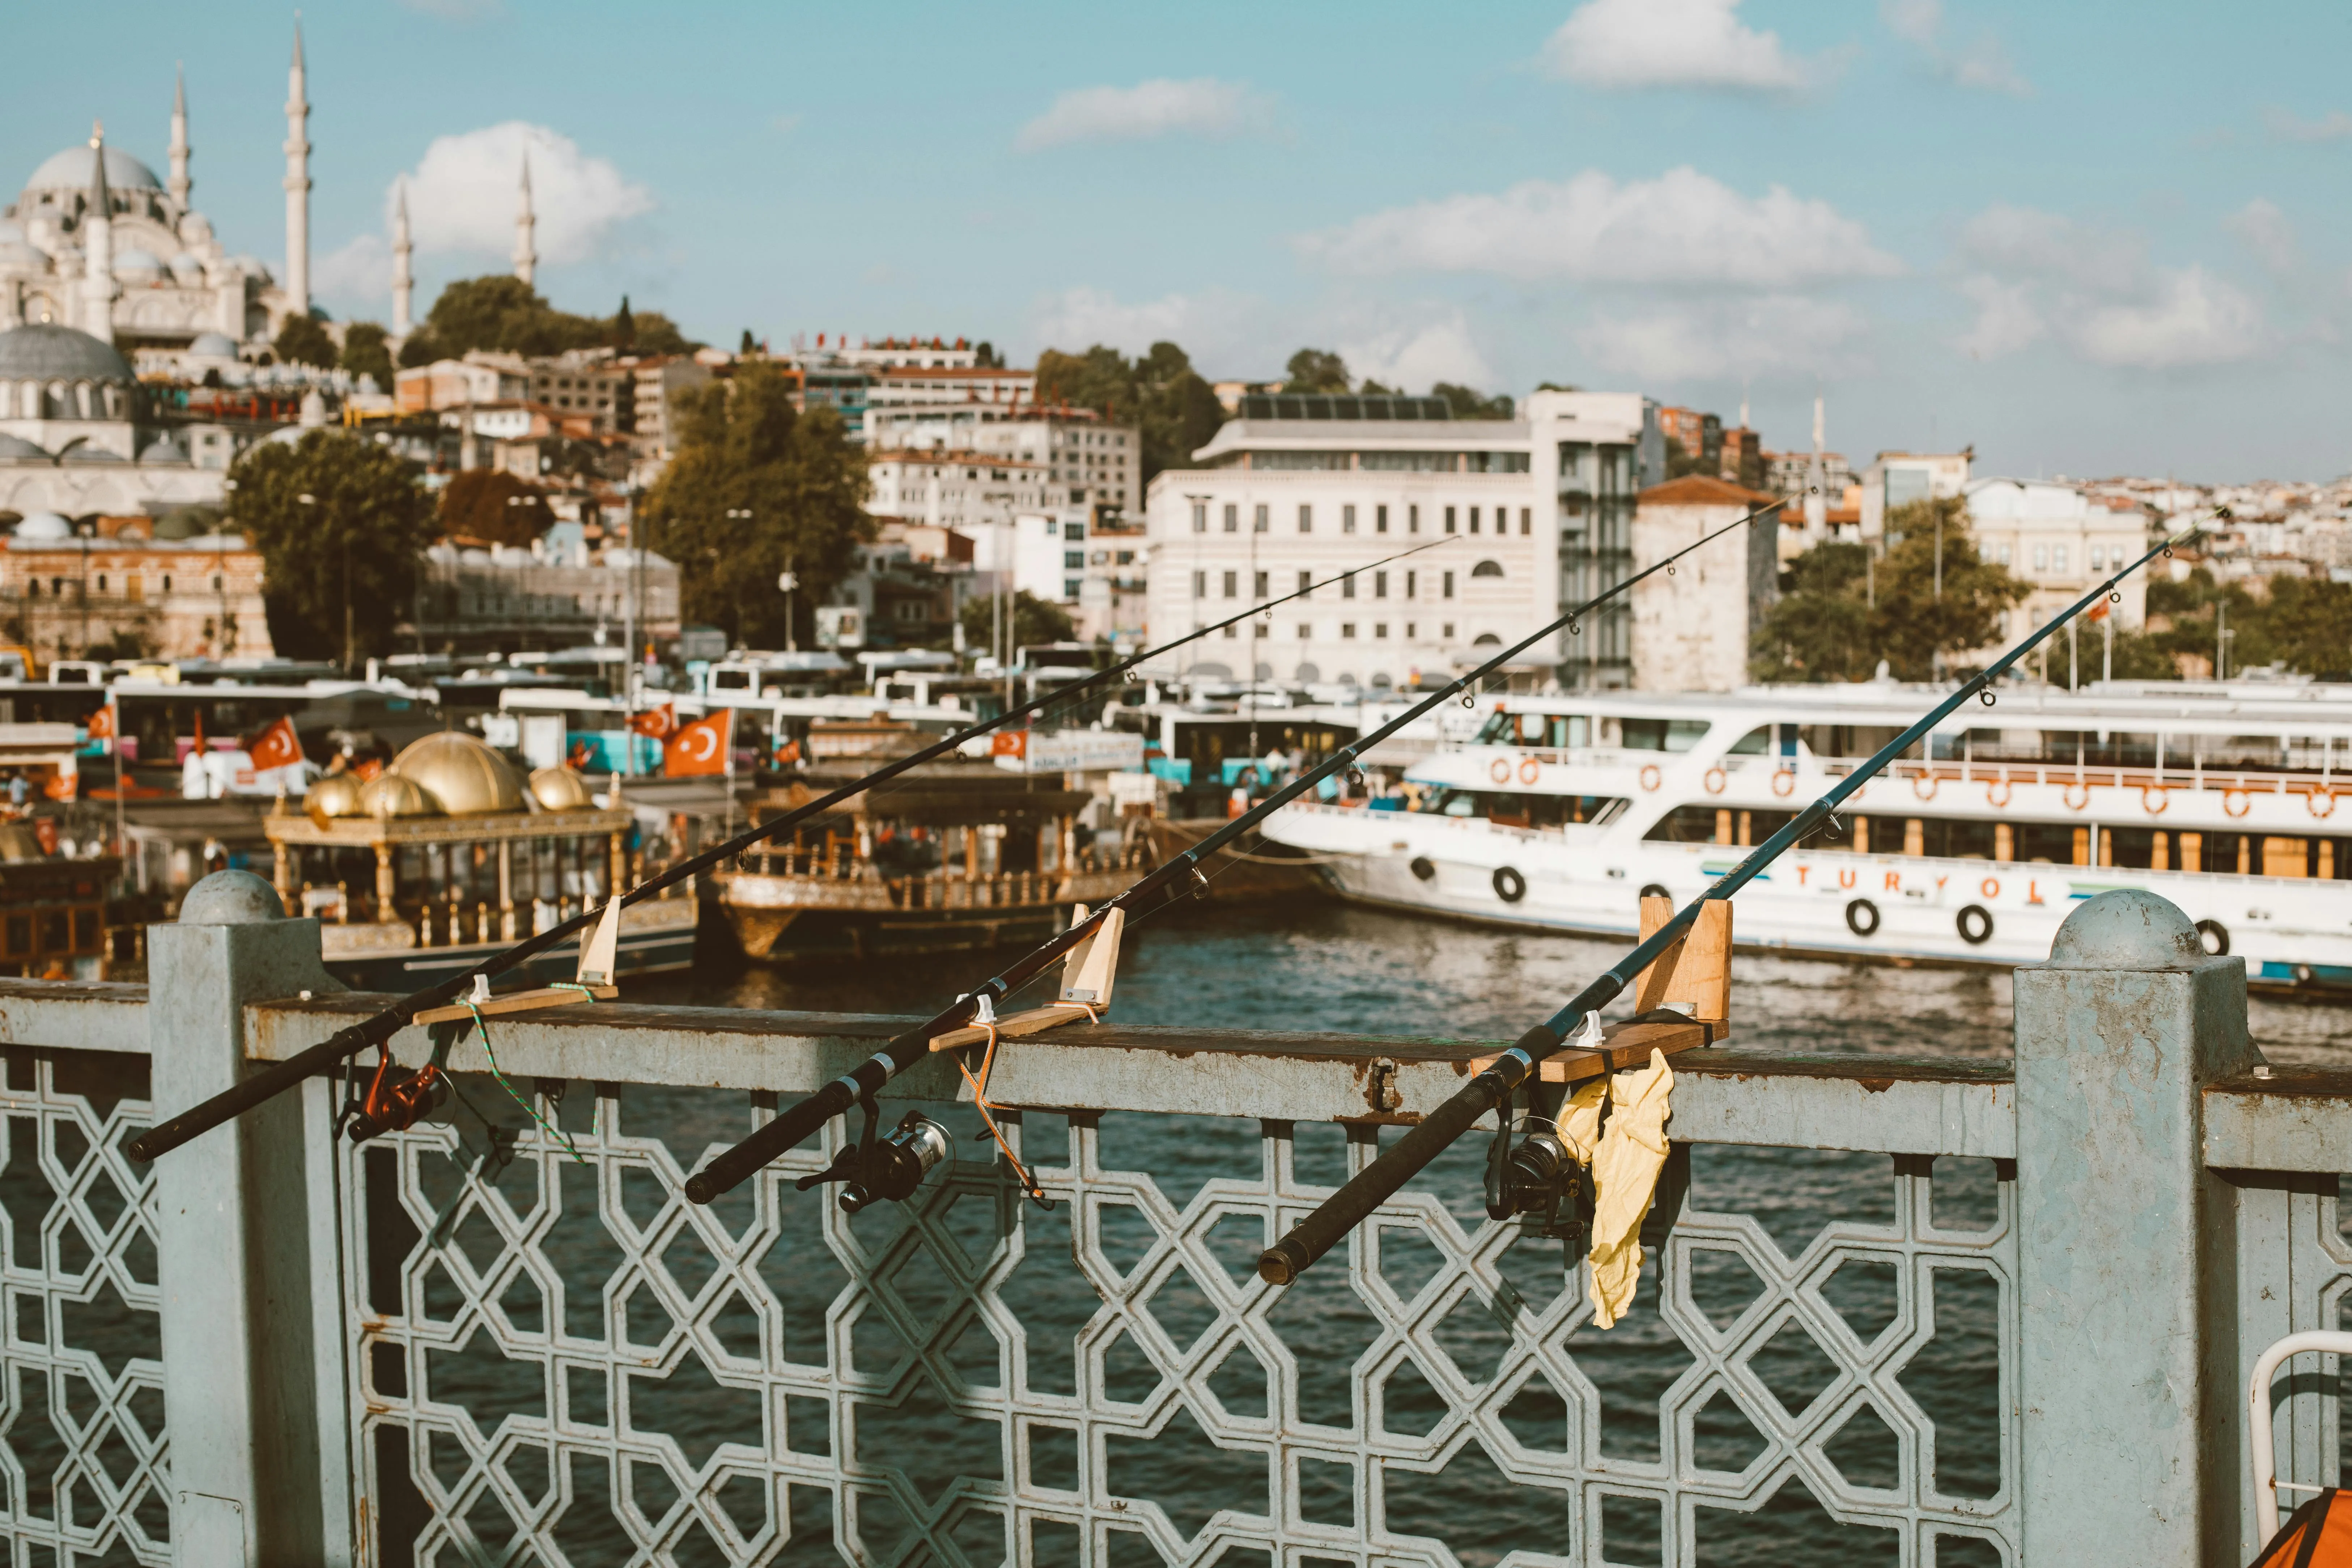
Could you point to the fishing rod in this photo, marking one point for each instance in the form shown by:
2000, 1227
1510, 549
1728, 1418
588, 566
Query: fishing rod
892, 1173
349, 1042
1374, 1185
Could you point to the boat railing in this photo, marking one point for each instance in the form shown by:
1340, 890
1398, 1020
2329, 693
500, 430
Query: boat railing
2102, 775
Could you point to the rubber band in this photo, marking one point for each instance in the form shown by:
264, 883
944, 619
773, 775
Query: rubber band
496, 1072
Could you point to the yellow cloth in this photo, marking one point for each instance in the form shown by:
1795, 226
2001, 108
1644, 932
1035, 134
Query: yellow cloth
1579, 1120
1624, 1175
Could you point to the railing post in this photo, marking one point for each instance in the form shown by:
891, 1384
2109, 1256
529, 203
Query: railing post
2126, 1362
249, 1460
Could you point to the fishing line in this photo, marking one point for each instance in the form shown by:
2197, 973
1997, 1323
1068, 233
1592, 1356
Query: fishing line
1340, 1213
354, 1038
860, 1085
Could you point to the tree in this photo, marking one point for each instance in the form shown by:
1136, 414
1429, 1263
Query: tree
1315, 370
365, 353
742, 447
1173, 409
985, 357
505, 313
421, 347
1682, 460
1468, 402
2301, 622
624, 327
1840, 616
749, 343
350, 549
1034, 621
492, 504
302, 341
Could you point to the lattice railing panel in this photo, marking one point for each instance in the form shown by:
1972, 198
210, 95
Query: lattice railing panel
83, 1453
564, 1362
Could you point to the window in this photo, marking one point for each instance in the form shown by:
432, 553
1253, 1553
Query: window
1413, 518
1233, 518
1305, 518
1449, 520
1449, 631
1380, 630
1232, 584
1306, 581
1473, 520
1347, 520
2099, 558
1074, 531
1412, 585
1073, 559
101, 582
1380, 585
1487, 569
1069, 587
2058, 558
1411, 631
167, 582
1259, 629
1259, 522
2042, 558
1449, 589
1380, 520
1262, 590
1346, 585
1200, 584
1232, 631
1346, 628
2002, 554
1126, 558
1200, 515
1660, 735
1526, 519
1305, 631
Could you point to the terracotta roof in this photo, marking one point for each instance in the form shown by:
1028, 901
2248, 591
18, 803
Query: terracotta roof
1697, 489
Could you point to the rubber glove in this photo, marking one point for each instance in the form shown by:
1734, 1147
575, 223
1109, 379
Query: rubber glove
1624, 1175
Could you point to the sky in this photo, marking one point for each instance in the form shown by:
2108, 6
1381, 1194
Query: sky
2086, 239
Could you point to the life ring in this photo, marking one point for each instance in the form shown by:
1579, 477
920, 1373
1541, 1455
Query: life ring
2001, 799
2067, 794
1655, 890
1509, 886
1862, 917
2213, 937
1976, 925
2152, 799
1529, 769
1925, 786
1651, 777
1715, 781
2245, 802
1784, 783
1499, 770
1423, 869
2311, 802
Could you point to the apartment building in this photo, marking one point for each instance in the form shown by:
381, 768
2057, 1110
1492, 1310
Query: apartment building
1699, 435
2060, 540
655, 383
1898, 479
587, 383
1521, 517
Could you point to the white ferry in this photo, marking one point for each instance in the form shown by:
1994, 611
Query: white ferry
2233, 801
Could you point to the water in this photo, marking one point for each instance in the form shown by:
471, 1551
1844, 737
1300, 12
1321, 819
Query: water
1319, 967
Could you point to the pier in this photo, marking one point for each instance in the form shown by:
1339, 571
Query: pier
469, 1344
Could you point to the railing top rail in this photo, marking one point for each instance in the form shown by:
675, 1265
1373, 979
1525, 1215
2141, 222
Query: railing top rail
2293, 1119
89, 1015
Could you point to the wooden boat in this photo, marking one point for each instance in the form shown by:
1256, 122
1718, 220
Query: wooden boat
1255, 869
948, 858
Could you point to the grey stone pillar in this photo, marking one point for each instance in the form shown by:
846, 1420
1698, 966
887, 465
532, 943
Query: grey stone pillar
234, 1249
2126, 1361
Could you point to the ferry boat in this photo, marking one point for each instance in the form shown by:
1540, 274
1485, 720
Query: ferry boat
2233, 801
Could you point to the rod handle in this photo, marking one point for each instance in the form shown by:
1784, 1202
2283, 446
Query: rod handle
796, 1126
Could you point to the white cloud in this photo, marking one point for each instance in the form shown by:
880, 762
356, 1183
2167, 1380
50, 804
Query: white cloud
1983, 64
2195, 319
457, 10
1203, 107
1682, 227
2332, 127
2007, 317
2267, 233
357, 276
2025, 241
1414, 358
1226, 334
1772, 334
1670, 42
462, 193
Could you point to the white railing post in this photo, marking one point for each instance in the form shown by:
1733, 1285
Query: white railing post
250, 1463
2128, 1377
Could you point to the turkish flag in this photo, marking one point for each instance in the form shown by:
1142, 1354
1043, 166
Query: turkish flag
101, 723
660, 722
277, 747
701, 748
1009, 744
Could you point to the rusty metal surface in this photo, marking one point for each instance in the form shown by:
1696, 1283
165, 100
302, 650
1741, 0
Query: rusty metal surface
90, 1015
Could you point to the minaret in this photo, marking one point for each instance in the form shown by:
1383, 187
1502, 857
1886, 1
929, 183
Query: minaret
297, 186
525, 259
402, 280
181, 185
97, 245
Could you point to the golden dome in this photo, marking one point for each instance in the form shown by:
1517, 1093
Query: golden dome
390, 795
560, 789
337, 795
463, 773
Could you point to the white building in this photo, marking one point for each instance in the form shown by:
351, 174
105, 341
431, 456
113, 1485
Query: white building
1095, 463
1691, 626
2061, 540
1898, 479
971, 492
1524, 516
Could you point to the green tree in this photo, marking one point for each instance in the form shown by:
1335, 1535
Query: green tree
624, 327
2301, 622
365, 353
749, 343
492, 504
1315, 370
1174, 410
302, 341
1469, 402
1034, 621
421, 347
1682, 460
2309, 620
1840, 616
341, 524
505, 313
743, 449
984, 355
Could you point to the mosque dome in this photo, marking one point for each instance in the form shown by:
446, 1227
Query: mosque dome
19, 253
44, 525
70, 170
389, 794
42, 350
337, 795
164, 450
13, 446
212, 345
188, 269
132, 265
559, 788
463, 773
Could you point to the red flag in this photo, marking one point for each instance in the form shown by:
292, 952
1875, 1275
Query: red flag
702, 747
660, 722
101, 723
787, 751
1009, 744
370, 770
277, 747
2098, 612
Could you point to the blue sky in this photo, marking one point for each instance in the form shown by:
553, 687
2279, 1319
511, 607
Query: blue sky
2087, 238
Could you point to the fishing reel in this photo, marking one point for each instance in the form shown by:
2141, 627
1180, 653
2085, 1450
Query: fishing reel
888, 1168
398, 1098
1538, 1176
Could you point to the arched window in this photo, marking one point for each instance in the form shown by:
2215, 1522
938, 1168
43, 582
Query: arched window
59, 403
1487, 569
1485, 639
